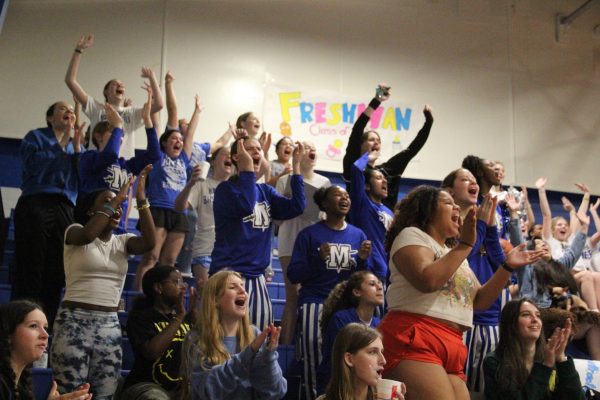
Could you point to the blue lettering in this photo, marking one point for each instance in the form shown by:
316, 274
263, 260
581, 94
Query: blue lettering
403, 122
348, 113
305, 111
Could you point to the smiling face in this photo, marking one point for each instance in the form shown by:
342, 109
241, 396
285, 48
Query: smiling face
222, 165
529, 325
234, 300
284, 150
251, 124
465, 189
489, 174
499, 169
101, 200
560, 229
446, 221
62, 116
337, 201
377, 187
370, 291
114, 92
372, 142
173, 144
309, 159
30, 338
367, 363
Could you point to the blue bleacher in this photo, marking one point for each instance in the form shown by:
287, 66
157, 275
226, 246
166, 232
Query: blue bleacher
5, 290
128, 357
41, 378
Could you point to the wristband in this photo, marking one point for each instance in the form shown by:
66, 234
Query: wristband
78, 51
465, 243
103, 213
110, 208
507, 268
142, 204
374, 103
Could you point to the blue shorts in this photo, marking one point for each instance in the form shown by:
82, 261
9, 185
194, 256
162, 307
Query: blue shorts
202, 260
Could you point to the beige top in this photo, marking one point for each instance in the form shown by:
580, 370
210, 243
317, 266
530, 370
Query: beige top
453, 302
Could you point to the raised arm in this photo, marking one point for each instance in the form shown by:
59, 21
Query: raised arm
84, 43
157, 99
172, 114
82, 235
570, 208
181, 202
224, 139
545, 207
152, 154
188, 137
354, 141
528, 208
583, 207
145, 242
595, 239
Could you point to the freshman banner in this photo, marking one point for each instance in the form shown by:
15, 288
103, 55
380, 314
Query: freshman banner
326, 119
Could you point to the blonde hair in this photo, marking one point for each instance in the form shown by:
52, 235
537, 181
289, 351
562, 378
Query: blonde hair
204, 347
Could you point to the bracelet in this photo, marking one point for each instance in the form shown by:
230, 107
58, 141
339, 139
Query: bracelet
78, 51
507, 268
374, 103
103, 213
142, 204
110, 208
465, 243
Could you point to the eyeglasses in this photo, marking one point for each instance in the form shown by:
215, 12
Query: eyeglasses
177, 282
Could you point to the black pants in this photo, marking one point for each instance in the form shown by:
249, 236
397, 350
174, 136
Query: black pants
39, 275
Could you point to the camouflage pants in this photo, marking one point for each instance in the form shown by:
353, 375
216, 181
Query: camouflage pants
86, 347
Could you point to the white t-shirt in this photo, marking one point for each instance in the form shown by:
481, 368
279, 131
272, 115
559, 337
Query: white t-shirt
201, 198
453, 302
95, 273
587, 255
132, 121
289, 229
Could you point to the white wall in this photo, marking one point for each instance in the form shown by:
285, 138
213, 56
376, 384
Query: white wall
499, 84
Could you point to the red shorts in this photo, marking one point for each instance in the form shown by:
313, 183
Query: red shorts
415, 337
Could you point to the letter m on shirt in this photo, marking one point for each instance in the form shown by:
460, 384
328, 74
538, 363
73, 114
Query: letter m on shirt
340, 257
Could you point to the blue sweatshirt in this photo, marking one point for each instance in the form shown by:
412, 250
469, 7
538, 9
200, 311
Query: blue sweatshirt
105, 169
318, 277
484, 261
526, 275
47, 168
246, 375
244, 211
166, 180
374, 219
339, 320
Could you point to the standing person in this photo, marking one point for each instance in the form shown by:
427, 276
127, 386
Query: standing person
356, 365
167, 179
224, 356
281, 165
114, 94
526, 367
200, 196
244, 211
289, 229
156, 327
45, 208
484, 259
433, 293
86, 346
324, 254
368, 189
353, 300
23, 339
103, 168
362, 141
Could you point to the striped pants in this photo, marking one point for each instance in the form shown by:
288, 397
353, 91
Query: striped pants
480, 340
309, 317
260, 309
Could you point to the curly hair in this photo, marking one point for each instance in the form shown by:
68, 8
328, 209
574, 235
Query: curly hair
476, 166
417, 209
342, 297
11, 315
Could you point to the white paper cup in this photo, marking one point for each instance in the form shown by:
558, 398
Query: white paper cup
388, 389
205, 166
